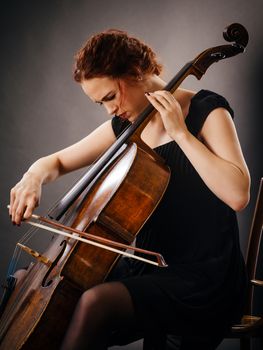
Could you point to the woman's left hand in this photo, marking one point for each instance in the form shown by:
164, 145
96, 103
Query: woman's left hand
171, 112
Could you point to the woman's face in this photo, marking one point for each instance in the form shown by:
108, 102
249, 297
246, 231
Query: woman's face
120, 97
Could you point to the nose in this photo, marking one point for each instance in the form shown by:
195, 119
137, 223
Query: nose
111, 108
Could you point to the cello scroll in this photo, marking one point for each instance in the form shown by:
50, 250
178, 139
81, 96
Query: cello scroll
235, 33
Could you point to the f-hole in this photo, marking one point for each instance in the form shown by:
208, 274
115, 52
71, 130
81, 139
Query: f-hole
46, 282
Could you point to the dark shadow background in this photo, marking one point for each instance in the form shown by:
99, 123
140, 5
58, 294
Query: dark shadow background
44, 110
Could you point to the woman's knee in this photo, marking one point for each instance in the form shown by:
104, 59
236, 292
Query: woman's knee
107, 301
91, 299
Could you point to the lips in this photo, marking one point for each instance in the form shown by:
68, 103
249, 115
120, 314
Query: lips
123, 115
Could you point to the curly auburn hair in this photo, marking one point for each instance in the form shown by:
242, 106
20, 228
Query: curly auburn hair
115, 54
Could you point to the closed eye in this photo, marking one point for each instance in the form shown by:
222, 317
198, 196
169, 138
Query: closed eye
106, 99
109, 98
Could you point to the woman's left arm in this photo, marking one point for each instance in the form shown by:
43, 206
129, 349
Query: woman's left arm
219, 160
216, 154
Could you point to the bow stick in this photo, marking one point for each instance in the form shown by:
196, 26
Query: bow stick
95, 240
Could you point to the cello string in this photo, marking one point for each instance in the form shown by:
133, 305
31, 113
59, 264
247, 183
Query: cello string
17, 251
10, 273
25, 284
29, 279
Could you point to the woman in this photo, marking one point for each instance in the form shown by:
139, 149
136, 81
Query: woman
194, 226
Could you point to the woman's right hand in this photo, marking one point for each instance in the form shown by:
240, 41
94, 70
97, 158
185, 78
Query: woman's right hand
24, 197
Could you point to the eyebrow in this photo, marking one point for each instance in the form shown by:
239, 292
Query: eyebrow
105, 97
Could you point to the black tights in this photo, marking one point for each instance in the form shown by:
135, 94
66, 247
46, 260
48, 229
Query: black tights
103, 315
100, 310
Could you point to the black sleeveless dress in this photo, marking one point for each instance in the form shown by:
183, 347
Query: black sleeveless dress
204, 285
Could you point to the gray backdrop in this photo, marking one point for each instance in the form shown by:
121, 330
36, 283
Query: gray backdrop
44, 110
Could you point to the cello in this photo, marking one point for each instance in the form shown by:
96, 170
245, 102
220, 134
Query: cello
112, 201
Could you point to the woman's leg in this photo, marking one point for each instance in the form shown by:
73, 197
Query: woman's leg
101, 310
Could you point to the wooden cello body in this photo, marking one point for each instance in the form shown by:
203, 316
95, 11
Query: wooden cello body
117, 206
114, 201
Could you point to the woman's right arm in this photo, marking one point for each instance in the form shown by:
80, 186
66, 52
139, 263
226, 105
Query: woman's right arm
25, 195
